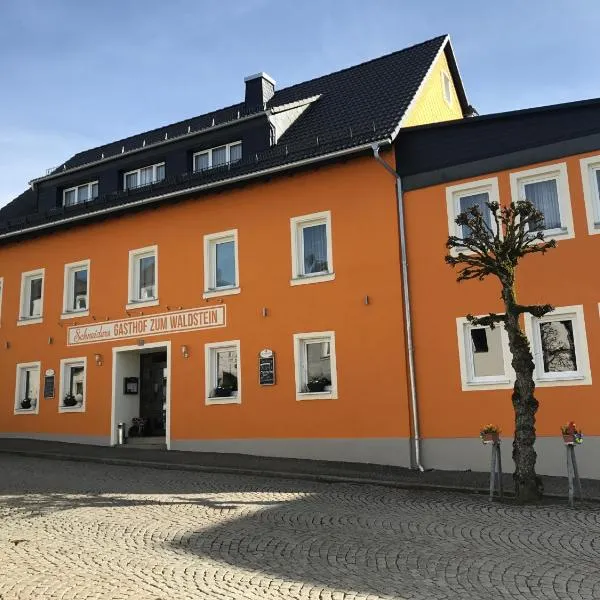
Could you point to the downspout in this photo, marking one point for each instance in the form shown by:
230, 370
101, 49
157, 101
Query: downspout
407, 312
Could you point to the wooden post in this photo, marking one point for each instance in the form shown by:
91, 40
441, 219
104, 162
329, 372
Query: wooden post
496, 471
573, 475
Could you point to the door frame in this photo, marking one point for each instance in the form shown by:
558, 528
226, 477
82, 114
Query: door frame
166, 345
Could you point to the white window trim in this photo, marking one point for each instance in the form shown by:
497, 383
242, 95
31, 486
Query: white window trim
299, 338
154, 167
558, 171
469, 382
23, 319
1, 297
455, 192
209, 240
27, 411
209, 151
591, 193
446, 77
68, 313
296, 223
64, 363
583, 375
132, 303
75, 188
208, 365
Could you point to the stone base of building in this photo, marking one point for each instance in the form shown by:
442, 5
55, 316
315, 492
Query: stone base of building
459, 454
93, 440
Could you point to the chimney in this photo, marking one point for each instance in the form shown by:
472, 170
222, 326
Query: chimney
259, 90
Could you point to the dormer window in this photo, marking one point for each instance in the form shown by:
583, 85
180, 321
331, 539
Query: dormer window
80, 193
144, 176
216, 157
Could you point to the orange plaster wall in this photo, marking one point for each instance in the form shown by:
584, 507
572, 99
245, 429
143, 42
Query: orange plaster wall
564, 276
370, 341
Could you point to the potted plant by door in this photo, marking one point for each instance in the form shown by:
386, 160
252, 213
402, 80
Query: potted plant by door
571, 435
69, 400
26, 403
317, 384
490, 434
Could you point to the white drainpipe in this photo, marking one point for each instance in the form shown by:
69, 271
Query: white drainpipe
407, 313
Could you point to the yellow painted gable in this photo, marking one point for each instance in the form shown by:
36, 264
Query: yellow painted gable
430, 105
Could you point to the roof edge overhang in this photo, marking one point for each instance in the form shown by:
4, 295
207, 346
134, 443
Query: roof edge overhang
361, 148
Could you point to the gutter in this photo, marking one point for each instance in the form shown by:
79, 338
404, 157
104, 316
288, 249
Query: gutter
407, 314
199, 188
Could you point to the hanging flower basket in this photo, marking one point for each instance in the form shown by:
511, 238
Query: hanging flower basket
490, 434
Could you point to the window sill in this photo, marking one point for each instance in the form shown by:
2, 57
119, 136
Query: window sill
306, 279
226, 400
29, 321
316, 396
572, 379
74, 314
26, 411
230, 291
491, 384
71, 409
133, 304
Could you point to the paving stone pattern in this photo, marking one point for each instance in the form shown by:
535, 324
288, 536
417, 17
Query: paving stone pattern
71, 530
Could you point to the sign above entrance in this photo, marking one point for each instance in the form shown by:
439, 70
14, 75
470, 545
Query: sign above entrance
160, 324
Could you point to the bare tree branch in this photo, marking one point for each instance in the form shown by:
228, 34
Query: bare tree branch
488, 321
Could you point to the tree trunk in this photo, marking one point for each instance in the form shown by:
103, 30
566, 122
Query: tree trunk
528, 486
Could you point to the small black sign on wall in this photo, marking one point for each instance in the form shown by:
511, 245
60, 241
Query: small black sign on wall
266, 367
49, 384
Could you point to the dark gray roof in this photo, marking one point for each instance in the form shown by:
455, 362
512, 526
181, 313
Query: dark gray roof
356, 106
442, 152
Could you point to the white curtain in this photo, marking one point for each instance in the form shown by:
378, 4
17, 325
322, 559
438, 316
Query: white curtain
315, 248
544, 196
235, 153
201, 162
219, 156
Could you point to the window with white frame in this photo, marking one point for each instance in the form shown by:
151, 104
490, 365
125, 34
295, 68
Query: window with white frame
459, 198
447, 88
80, 193
315, 361
27, 388
222, 372
484, 356
216, 157
76, 289
143, 277
144, 176
559, 345
547, 188
221, 263
590, 177
32, 296
72, 384
312, 255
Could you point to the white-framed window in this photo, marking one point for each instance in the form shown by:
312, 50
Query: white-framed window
27, 388
547, 188
460, 198
32, 297
484, 357
76, 290
590, 177
216, 157
312, 249
315, 365
72, 385
80, 193
447, 88
144, 176
222, 374
221, 271
143, 277
559, 347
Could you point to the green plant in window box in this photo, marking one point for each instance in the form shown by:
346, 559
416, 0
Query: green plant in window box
70, 400
317, 384
26, 403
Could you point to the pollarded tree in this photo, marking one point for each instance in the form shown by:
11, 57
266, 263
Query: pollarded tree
496, 249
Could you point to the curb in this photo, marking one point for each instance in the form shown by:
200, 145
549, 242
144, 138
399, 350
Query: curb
321, 478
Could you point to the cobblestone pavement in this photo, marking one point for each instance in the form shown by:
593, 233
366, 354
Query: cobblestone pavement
89, 531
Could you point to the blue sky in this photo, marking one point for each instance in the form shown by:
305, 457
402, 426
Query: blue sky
76, 74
